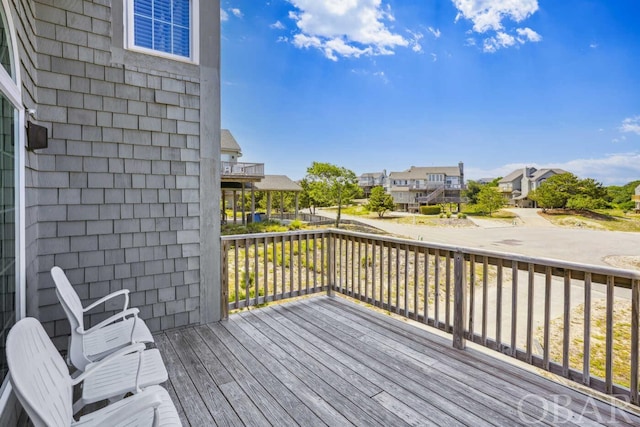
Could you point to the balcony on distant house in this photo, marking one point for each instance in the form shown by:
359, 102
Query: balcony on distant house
239, 171
401, 332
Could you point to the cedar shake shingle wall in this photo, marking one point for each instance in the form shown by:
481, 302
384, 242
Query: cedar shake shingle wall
115, 199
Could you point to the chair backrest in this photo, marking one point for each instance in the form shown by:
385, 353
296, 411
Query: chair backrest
68, 298
39, 376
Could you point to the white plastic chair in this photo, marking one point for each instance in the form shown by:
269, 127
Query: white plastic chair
90, 345
41, 381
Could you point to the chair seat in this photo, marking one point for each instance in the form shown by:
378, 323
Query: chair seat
118, 376
168, 416
105, 340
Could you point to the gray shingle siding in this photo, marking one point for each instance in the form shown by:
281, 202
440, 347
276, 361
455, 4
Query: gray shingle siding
115, 199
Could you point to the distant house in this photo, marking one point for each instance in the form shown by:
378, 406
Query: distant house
518, 184
419, 186
636, 198
367, 181
236, 177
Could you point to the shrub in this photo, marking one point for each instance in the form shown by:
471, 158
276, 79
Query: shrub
461, 215
296, 225
448, 214
441, 215
430, 210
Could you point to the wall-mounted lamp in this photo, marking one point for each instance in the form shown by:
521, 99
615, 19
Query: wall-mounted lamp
37, 137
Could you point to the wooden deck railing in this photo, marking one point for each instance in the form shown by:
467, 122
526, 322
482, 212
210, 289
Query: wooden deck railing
577, 321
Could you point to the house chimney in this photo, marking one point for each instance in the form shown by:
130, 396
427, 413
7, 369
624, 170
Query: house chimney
461, 167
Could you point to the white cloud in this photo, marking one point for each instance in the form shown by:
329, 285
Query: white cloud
415, 41
631, 124
435, 31
237, 12
346, 28
224, 16
489, 17
612, 169
277, 25
527, 34
593, 45
434, 56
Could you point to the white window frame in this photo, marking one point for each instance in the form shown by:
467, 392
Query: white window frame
11, 89
194, 32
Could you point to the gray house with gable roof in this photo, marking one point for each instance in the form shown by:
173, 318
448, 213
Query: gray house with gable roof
517, 185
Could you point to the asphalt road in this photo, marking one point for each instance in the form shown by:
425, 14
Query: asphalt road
532, 235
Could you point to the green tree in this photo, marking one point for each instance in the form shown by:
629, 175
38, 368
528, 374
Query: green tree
379, 201
620, 196
556, 191
472, 191
490, 199
332, 184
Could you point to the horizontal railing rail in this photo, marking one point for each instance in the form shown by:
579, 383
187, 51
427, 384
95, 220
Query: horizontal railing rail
577, 321
241, 169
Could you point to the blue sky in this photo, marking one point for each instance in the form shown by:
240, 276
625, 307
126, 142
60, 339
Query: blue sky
375, 84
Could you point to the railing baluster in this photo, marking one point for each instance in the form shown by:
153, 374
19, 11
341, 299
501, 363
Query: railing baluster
447, 296
459, 303
485, 286
406, 280
299, 267
237, 275
415, 283
530, 301
566, 335
426, 286
283, 264
436, 273
366, 272
373, 272
609, 336
224, 262
499, 307
265, 275
306, 260
256, 272
389, 277
359, 260
291, 268
547, 318
514, 306
472, 294
397, 288
635, 325
586, 355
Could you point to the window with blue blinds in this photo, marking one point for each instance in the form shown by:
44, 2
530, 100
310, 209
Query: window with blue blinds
163, 25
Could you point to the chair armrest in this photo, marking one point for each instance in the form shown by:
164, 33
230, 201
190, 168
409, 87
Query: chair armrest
129, 408
102, 300
94, 367
115, 317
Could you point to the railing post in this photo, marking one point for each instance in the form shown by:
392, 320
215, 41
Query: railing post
331, 259
224, 280
459, 302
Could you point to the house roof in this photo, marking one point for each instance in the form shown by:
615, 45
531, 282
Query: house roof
419, 172
541, 172
277, 183
228, 142
516, 174
372, 174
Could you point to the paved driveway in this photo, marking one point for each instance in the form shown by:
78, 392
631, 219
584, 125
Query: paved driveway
531, 236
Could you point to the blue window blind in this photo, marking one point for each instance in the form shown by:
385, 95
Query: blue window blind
163, 25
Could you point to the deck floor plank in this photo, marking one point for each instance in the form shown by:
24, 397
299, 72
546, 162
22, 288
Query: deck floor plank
329, 361
486, 368
345, 397
189, 399
213, 383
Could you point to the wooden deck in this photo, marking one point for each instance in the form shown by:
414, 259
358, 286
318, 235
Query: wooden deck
327, 361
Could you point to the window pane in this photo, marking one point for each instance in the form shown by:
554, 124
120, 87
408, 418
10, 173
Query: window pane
181, 13
5, 52
143, 33
162, 10
181, 41
7, 228
163, 25
162, 37
142, 7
